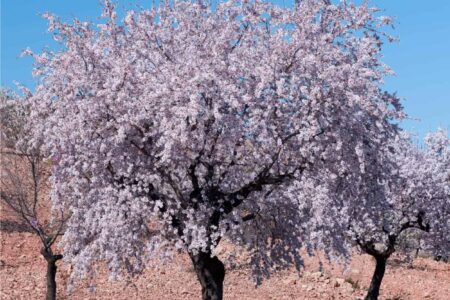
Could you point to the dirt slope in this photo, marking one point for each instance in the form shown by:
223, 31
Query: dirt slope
22, 272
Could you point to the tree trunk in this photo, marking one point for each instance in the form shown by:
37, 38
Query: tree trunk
211, 273
51, 271
374, 289
51, 279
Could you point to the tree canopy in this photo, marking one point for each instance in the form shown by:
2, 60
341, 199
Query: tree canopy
186, 124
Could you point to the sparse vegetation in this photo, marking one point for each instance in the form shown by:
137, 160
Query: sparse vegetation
355, 284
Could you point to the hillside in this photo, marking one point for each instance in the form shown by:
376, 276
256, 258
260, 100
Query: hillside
22, 272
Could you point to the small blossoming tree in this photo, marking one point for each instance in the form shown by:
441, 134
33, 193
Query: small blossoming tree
418, 197
408, 188
24, 182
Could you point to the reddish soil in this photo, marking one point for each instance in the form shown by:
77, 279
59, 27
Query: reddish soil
22, 276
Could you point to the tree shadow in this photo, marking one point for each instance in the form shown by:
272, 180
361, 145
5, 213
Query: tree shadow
14, 226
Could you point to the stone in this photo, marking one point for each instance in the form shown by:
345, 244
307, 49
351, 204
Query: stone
347, 287
316, 275
339, 282
290, 281
20, 244
355, 271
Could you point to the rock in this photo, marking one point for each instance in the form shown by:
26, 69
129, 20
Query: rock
355, 271
290, 281
347, 287
20, 244
316, 275
339, 282
309, 288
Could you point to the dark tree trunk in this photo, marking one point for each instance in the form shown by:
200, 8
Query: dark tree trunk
51, 272
51, 280
211, 273
374, 289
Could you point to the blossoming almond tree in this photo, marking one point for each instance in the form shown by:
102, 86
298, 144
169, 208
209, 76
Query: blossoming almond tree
24, 180
175, 128
417, 197
407, 188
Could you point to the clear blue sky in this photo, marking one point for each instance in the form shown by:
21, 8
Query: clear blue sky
421, 58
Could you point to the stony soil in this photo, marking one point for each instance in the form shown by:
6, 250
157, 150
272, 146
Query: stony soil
22, 276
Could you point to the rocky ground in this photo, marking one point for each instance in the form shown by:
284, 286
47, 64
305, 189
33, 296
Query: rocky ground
22, 276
